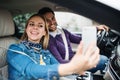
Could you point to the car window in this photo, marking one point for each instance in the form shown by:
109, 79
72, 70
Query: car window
20, 21
70, 21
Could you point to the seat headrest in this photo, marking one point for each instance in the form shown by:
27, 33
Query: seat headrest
6, 23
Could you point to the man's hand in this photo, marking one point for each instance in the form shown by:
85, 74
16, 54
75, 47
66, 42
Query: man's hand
103, 27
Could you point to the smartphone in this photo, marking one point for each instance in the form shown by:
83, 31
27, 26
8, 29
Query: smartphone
89, 34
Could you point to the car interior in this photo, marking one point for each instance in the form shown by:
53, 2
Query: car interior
95, 12
7, 29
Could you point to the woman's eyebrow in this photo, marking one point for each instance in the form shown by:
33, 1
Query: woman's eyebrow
41, 23
31, 21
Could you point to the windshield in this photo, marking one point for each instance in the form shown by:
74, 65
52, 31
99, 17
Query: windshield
112, 3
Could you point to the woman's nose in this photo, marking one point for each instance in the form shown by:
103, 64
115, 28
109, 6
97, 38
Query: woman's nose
35, 26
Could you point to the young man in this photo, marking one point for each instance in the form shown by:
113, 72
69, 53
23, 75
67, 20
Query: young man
56, 44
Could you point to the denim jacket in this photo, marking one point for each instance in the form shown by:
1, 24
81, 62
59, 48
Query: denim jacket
24, 64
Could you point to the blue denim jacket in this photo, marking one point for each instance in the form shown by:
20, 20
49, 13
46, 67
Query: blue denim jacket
24, 64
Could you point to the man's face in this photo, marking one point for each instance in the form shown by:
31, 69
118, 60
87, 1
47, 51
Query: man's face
52, 24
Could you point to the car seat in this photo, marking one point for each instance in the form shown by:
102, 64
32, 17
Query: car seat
7, 29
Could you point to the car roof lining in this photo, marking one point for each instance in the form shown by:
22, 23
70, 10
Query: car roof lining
89, 8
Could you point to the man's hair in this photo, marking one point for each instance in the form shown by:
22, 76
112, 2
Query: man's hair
45, 10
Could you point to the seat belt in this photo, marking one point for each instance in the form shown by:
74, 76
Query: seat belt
66, 45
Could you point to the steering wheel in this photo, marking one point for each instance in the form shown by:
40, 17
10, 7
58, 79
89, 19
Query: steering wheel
108, 40
100, 36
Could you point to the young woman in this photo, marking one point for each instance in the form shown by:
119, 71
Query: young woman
30, 59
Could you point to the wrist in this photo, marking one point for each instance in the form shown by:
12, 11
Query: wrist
66, 69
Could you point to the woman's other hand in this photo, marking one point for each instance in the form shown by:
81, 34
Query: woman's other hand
82, 62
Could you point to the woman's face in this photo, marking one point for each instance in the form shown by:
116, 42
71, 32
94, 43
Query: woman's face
35, 29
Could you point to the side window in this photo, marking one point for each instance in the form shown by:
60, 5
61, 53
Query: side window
71, 21
20, 21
